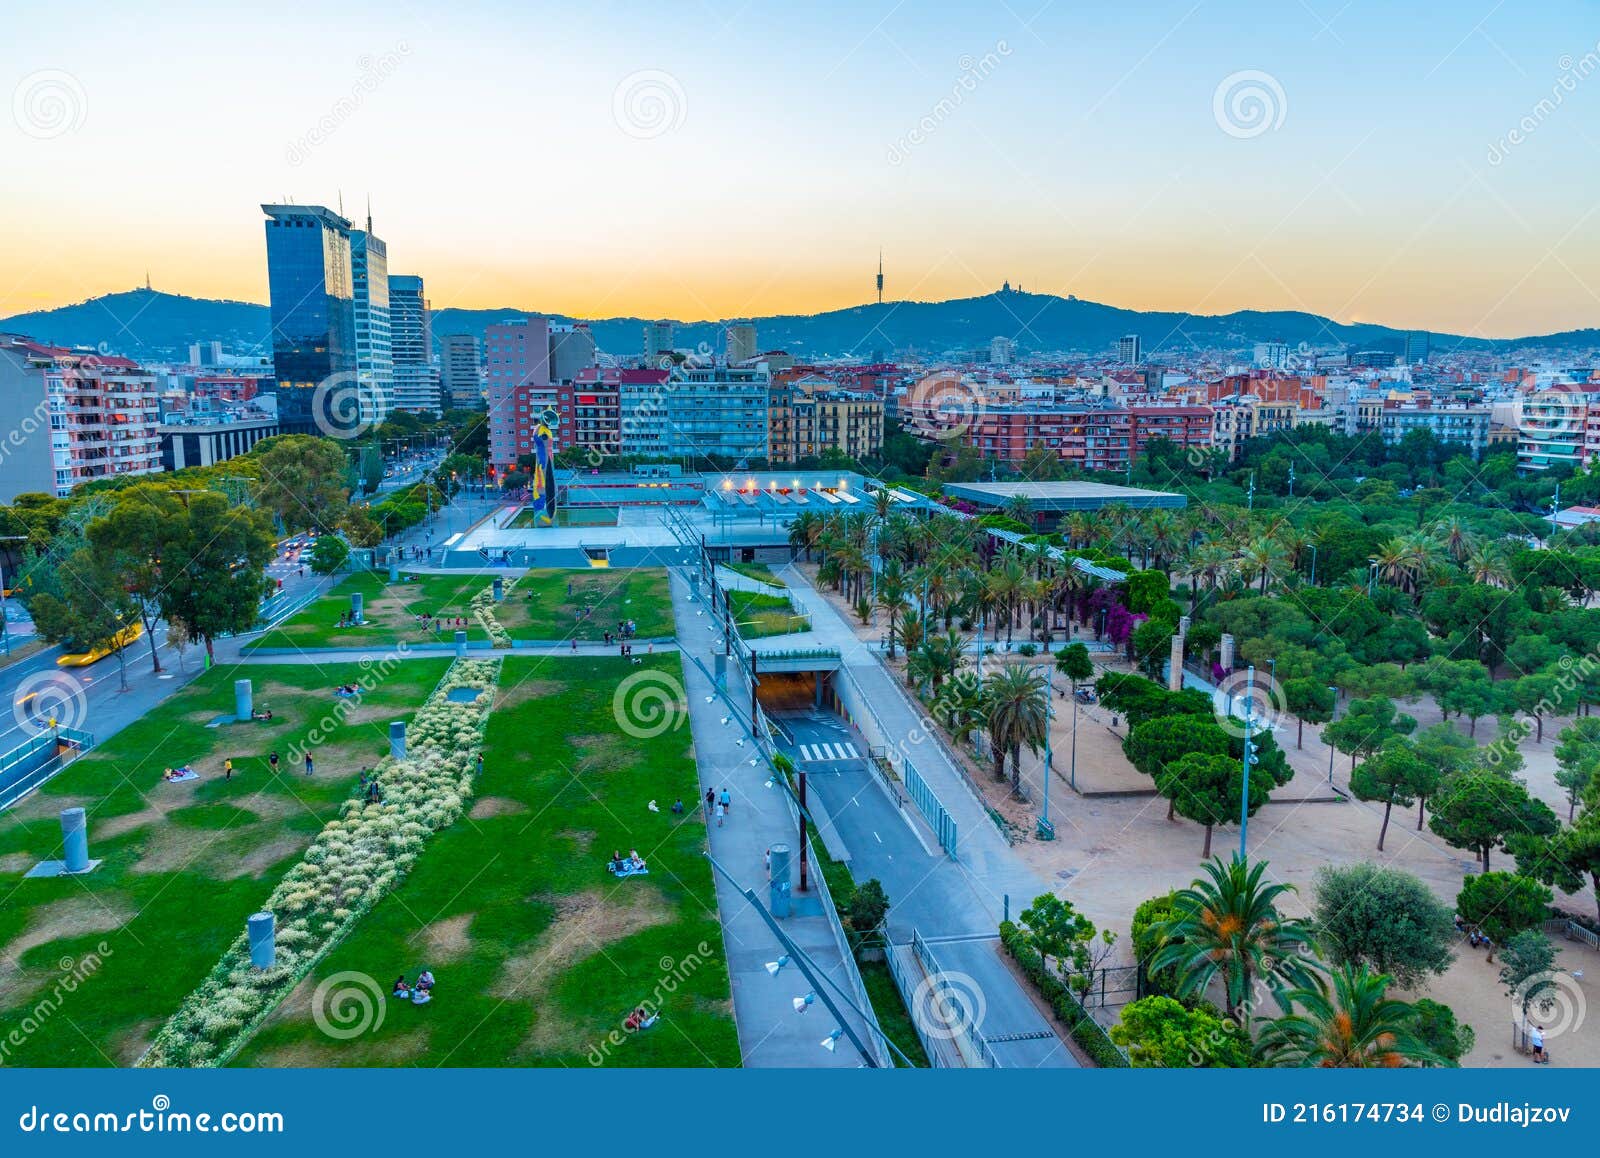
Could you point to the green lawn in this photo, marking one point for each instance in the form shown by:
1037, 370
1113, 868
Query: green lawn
539, 607
390, 611
760, 615
569, 517
184, 864
538, 952
757, 571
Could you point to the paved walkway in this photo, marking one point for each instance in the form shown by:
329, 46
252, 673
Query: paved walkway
771, 1033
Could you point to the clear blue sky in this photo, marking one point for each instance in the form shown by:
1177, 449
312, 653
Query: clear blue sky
720, 159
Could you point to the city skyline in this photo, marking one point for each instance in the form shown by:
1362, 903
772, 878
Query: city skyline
1411, 168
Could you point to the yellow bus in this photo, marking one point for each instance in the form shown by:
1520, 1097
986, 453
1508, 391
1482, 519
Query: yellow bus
121, 640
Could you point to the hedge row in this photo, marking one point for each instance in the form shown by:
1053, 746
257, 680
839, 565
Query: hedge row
1084, 1029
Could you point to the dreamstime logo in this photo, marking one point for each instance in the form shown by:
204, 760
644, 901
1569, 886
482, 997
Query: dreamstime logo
1238, 698
649, 703
336, 406
1571, 73
942, 405
972, 72
48, 698
1248, 103
648, 104
946, 1006
49, 103
347, 1005
1552, 1000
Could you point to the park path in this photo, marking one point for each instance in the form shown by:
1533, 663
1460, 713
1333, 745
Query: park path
771, 1033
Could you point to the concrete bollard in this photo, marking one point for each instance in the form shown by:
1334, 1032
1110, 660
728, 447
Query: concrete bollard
261, 930
1175, 666
397, 739
778, 881
1227, 653
75, 840
243, 700
499, 589
357, 602
461, 645
394, 570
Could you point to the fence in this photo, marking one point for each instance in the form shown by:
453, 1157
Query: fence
927, 802
1573, 931
1111, 986
36, 760
977, 1049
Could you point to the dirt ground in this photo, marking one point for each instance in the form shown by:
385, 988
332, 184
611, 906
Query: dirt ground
1112, 852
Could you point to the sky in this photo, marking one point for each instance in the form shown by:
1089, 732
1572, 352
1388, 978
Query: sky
1425, 165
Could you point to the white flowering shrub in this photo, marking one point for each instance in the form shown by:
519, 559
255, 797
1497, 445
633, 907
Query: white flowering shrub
353, 862
482, 606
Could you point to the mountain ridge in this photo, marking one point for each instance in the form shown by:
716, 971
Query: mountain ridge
153, 325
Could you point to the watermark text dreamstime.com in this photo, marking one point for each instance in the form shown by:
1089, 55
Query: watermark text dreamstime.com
973, 72
373, 72
74, 972
1571, 74
674, 973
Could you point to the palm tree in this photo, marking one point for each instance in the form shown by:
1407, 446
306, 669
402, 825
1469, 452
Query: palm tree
805, 531
892, 597
1487, 564
1018, 714
1262, 559
1020, 508
1350, 1025
1457, 539
1228, 925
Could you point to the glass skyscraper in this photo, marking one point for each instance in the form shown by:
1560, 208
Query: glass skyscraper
313, 308
369, 265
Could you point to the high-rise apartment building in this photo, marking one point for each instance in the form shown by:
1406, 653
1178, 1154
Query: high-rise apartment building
74, 417
571, 350
710, 411
516, 357
658, 339
313, 309
416, 381
461, 372
741, 343
1130, 350
369, 282
1001, 351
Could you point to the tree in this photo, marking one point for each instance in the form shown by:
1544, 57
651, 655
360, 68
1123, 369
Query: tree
1308, 701
1526, 965
1463, 686
212, 568
1502, 905
1017, 713
1350, 1024
1366, 727
127, 544
1055, 929
1156, 743
91, 610
1383, 918
1227, 925
1435, 1026
1390, 777
868, 906
1444, 751
1568, 859
302, 480
1152, 644
329, 554
1147, 940
1478, 809
360, 527
1577, 759
1208, 790
1073, 662
1160, 1032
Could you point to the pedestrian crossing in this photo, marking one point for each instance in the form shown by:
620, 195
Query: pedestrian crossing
821, 753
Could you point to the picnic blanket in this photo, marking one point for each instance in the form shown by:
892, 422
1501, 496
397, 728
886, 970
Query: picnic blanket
629, 872
183, 774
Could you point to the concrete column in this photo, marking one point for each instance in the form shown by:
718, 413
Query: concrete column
1175, 668
461, 644
1183, 626
75, 839
816, 696
394, 569
397, 739
261, 930
778, 882
499, 589
720, 668
1227, 653
357, 607
243, 699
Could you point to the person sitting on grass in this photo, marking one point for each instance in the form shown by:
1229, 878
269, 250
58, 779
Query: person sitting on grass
425, 981
635, 861
401, 989
264, 715
617, 864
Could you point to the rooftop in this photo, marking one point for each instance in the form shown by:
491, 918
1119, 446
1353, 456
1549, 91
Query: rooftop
1063, 496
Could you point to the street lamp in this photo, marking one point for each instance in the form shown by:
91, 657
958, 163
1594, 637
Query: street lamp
1313, 564
1333, 714
1249, 758
1046, 831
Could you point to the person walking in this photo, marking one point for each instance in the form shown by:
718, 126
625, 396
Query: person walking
721, 812
725, 800
1536, 1040
272, 763
310, 767
711, 800
227, 769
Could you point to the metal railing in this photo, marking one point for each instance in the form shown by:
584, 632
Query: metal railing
927, 802
14, 785
1573, 931
967, 1031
